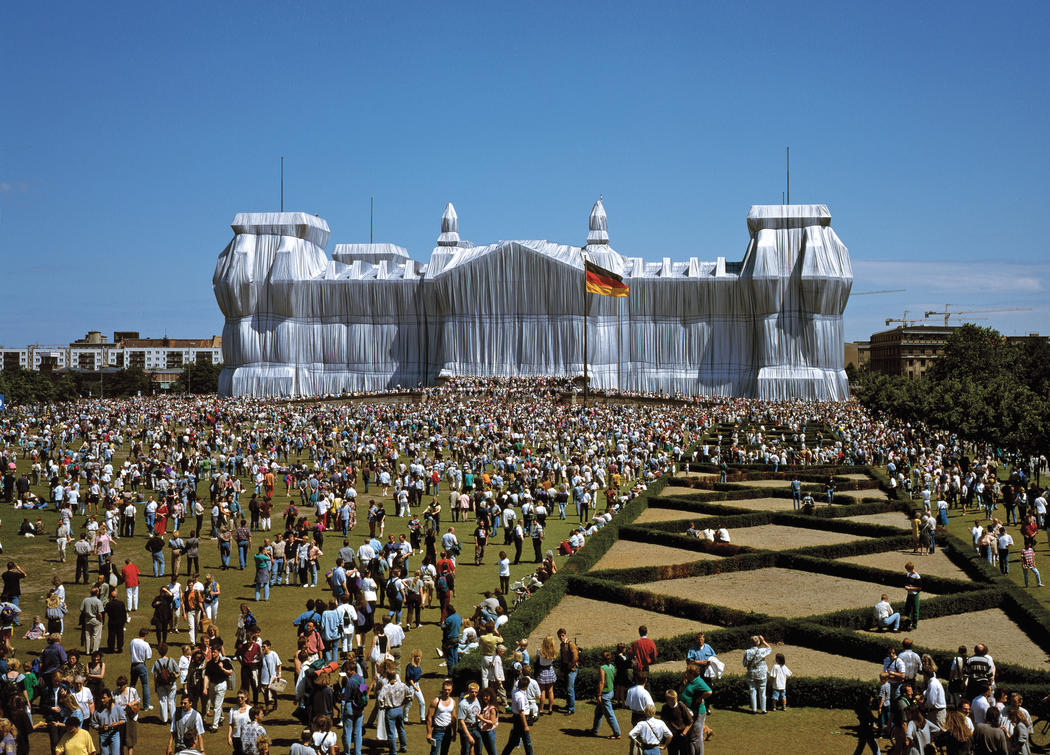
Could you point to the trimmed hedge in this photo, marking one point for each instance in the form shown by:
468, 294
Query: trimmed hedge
645, 574
942, 585
855, 547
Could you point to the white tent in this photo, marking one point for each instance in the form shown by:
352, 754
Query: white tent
372, 318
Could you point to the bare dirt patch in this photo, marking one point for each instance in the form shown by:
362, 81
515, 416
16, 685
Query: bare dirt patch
777, 592
937, 565
856, 476
651, 515
763, 484
1005, 640
625, 554
858, 494
698, 474
887, 518
594, 623
759, 504
802, 662
779, 537
680, 490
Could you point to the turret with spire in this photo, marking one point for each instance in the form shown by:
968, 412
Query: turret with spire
449, 227
598, 235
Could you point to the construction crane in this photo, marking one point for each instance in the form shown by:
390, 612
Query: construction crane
948, 313
905, 321
884, 291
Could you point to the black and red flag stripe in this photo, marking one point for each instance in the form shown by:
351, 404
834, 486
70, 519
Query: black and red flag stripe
603, 282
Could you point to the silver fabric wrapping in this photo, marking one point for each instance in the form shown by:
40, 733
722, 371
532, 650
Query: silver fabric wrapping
298, 323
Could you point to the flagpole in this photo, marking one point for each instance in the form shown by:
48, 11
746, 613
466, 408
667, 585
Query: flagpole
586, 380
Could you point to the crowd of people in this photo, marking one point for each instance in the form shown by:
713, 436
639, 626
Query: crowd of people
359, 502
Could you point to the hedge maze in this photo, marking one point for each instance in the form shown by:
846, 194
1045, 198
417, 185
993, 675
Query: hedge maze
688, 587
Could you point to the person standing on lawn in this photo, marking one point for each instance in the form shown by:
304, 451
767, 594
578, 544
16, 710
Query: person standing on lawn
1028, 564
603, 704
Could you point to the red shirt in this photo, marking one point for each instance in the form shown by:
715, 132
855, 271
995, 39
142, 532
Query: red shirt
645, 653
446, 566
131, 575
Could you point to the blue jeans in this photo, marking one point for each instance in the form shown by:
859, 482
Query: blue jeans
151, 519
331, 648
442, 740
138, 672
351, 730
277, 574
518, 735
158, 564
313, 573
242, 551
488, 738
224, 553
1038, 579
894, 620
265, 587
796, 499
395, 729
465, 747
109, 743
757, 688
605, 709
452, 655
395, 610
570, 691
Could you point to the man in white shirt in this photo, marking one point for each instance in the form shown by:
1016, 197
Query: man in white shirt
519, 706
395, 638
1003, 542
638, 698
885, 616
936, 702
912, 662
650, 733
979, 706
140, 652
365, 553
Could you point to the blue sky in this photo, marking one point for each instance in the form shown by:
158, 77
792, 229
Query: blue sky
132, 133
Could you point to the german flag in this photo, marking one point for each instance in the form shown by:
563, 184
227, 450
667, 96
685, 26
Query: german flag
603, 282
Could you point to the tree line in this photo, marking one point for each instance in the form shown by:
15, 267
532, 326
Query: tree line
984, 388
21, 386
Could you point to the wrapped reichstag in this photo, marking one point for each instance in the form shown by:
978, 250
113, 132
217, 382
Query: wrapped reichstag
299, 323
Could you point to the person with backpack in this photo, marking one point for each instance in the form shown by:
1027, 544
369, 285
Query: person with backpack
178, 547
353, 700
166, 680
395, 593
249, 653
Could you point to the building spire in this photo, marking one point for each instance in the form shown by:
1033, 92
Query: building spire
449, 227
598, 234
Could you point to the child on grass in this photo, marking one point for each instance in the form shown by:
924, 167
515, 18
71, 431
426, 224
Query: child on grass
780, 674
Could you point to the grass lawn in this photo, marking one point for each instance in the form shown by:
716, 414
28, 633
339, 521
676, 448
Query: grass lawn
38, 556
